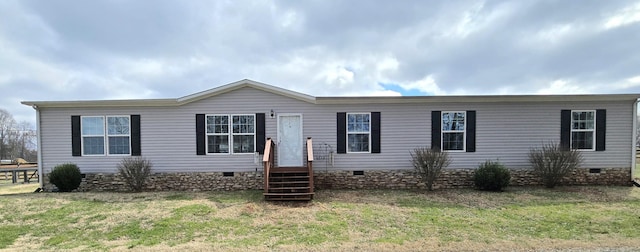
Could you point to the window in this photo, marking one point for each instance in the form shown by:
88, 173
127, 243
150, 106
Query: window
117, 135
241, 137
93, 135
358, 132
453, 130
243, 134
218, 134
583, 129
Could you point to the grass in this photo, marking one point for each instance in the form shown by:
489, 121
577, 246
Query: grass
519, 219
6, 187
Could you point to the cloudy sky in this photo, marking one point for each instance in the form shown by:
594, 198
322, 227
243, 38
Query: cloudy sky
71, 50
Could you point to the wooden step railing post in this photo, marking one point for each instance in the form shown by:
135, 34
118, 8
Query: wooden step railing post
268, 162
310, 162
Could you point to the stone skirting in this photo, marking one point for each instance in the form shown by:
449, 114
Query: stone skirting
459, 178
372, 179
183, 181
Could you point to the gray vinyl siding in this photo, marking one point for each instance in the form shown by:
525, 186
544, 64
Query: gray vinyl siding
504, 131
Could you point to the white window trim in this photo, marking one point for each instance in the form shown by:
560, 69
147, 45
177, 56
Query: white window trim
242, 134
593, 144
230, 134
105, 136
229, 129
82, 136
347, 131
464, 132
106, 133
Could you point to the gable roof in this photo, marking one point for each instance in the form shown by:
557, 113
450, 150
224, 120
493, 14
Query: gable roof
245, 83
331, 100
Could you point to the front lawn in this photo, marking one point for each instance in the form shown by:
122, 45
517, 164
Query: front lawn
518, 219
6, 187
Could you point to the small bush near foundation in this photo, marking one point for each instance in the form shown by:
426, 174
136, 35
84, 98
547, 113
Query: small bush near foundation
135, 171
492, 176
429, 163
66, 177
552, 163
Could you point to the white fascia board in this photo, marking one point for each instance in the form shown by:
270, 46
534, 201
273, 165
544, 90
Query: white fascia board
478, 99
103, 103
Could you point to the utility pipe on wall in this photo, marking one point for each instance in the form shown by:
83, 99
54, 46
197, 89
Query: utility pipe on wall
39, 149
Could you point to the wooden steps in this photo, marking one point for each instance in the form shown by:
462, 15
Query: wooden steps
287, 183
292, 188
291, 183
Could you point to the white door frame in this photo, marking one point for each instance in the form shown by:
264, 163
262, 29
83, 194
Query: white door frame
280, 150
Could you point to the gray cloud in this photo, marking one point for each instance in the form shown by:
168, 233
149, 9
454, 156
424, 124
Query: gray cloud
68, 50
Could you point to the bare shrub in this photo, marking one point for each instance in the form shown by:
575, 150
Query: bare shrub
429, 163
135, 171
552, 163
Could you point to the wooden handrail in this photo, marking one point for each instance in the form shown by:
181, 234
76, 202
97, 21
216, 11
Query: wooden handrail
268, 161
310, 162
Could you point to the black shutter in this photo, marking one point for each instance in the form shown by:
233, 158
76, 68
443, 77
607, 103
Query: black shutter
436, 126
375, 132
200, 135
76, 138
565, 129
601, 129
260, 133
342, 132
471, 131
135, 136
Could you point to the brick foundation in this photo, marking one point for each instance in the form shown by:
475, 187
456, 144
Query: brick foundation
383, 179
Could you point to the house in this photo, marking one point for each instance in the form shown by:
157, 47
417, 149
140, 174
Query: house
215, 139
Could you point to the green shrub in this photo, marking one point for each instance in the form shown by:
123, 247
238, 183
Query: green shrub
135, 171
429, 164
492, 176
552, 163
66, 177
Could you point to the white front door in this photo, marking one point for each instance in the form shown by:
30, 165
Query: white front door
289, 140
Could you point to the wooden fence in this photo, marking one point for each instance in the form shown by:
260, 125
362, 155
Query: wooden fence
24, 173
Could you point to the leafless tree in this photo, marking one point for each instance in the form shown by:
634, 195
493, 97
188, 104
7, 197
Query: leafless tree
26, 142
638, 132
6, 125
17, 140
